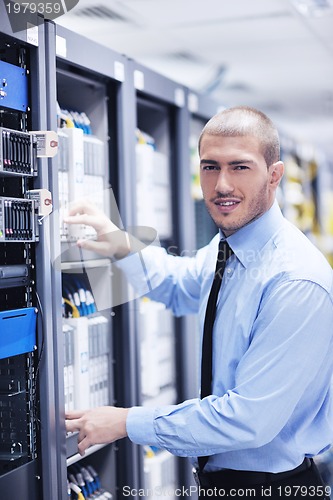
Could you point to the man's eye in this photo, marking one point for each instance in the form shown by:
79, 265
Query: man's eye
210, 167
241, 167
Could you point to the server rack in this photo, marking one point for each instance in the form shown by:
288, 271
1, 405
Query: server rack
26, 365
99, 93
161, 115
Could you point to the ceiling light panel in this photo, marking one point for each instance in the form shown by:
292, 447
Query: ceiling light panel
313, 8
186, 12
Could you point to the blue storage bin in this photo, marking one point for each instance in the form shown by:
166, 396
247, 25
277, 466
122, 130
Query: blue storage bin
17, 331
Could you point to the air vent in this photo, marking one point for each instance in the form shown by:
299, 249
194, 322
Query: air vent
184, 56
101, 12
238, 87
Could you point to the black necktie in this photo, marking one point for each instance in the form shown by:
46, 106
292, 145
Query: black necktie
207, 342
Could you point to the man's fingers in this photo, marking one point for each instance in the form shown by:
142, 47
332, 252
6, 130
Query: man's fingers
76, 219
100, 247
73, 420
87, 220
99, 222
83, 445
83, 206
72, 425
73, 414
92, 245
83, 441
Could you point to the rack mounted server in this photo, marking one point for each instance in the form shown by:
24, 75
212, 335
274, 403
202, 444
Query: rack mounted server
18, 153
18, 220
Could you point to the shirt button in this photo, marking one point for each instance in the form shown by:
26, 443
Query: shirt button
229, 270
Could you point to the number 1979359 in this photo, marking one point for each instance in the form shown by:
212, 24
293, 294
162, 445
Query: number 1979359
34, 8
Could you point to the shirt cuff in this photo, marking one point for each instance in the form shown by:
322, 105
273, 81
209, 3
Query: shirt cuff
140, 426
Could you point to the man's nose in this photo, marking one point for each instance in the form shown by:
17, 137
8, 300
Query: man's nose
224, 183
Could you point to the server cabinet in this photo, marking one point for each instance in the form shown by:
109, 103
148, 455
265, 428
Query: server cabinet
27, 397
86, 86
161, 193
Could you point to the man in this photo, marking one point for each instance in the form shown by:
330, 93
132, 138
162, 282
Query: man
268, 408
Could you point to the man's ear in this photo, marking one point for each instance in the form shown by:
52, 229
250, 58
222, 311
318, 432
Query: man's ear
276, 173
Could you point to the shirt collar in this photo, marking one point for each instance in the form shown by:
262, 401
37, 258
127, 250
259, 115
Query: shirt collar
250, 239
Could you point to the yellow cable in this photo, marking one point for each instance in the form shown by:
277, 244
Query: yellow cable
69, 123
75, 310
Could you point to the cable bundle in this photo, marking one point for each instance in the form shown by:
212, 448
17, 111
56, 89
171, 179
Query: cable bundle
84, 483
78, 299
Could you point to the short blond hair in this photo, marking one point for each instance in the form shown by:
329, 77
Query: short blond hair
244, 120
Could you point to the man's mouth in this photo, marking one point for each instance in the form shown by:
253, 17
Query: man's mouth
226, 205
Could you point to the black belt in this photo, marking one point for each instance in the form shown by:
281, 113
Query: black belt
229, 477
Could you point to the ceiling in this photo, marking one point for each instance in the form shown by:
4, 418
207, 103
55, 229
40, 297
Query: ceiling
276, 55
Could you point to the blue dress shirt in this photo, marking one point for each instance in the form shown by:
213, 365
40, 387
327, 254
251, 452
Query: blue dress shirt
272, 396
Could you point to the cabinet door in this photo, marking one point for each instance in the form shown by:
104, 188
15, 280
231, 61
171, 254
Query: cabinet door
83, 108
